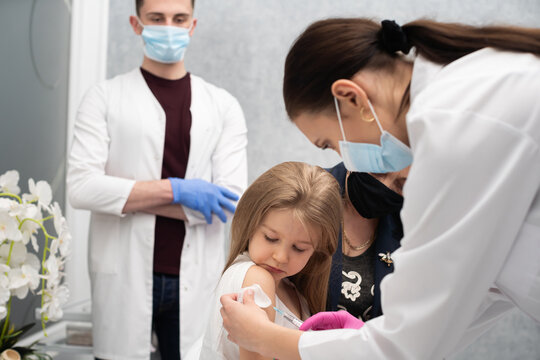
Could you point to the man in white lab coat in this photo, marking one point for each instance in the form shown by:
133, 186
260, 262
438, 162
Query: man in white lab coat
158, 155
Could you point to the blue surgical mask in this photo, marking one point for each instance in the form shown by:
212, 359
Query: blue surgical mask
392, 155
165, 44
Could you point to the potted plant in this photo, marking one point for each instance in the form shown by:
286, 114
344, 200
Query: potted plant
22, 273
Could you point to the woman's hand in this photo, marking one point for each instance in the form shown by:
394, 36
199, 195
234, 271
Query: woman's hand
332, 320
249, 327
245, 322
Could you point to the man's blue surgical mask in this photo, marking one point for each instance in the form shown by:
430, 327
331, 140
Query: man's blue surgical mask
165, 44
391, 155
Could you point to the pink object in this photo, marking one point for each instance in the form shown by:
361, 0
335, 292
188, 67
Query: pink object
332, 320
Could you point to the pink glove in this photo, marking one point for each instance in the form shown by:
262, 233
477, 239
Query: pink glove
332, 320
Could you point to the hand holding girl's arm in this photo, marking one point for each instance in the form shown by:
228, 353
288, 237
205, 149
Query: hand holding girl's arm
258, 275
249, 327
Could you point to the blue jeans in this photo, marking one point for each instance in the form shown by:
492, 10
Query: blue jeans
165, 315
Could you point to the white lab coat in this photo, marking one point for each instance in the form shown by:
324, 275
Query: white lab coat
471, 215
119, 139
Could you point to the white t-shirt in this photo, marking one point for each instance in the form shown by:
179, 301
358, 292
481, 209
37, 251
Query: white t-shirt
215, 343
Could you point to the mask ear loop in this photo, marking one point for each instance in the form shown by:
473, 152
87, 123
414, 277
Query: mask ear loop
140, 22
375, 115
339, 118
347, 186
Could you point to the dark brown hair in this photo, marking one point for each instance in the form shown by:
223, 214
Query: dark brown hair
139, 3
333, 49
313, 195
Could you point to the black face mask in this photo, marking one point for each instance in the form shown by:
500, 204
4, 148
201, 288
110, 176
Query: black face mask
370, 197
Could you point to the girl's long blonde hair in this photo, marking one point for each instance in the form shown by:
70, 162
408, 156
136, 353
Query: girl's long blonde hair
313, 194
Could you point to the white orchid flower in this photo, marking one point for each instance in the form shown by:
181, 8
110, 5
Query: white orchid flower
5, 294
33, 261
9, 227
54, 274
4, 276
9, 182
29, 229
20, 224
55, 298
64, 239
59, 220
62, 230
12, 207
40, 192
6, 204
18, 254
23, 279
53, 248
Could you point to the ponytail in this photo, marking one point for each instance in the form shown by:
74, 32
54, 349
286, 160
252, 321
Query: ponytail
333, 49
443, 43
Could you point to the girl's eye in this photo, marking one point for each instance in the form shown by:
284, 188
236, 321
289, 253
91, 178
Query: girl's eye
270, 239
297, 249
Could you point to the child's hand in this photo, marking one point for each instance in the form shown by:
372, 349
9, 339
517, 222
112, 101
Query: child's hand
244, 321
332, 320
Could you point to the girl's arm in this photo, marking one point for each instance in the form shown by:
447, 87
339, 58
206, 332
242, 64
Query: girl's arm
249, 327
258, 275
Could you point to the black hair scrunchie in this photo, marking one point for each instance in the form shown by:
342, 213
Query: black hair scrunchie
393, 37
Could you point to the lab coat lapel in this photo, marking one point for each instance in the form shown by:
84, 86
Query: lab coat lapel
200, 128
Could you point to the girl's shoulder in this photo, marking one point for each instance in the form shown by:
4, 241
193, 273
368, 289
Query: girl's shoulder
243, 272
258, 275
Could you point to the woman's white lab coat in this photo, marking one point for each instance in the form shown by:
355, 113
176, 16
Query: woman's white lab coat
118, 139
471, 215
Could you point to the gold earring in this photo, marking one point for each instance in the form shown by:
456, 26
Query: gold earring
372, 118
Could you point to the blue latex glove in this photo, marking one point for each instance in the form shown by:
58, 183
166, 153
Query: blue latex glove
203, 196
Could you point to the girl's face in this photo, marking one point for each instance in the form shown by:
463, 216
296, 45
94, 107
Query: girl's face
281, 244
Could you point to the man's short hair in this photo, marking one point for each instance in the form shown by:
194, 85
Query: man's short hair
139, 3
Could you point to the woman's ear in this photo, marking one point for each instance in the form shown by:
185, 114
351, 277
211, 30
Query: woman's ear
349, 94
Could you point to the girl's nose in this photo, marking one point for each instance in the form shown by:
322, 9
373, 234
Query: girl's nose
280, 255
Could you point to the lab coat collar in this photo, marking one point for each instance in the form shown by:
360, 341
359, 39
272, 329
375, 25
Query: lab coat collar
423, 73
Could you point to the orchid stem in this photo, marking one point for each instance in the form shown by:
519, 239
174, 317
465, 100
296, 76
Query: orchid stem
43, 268
13, 196
6, 321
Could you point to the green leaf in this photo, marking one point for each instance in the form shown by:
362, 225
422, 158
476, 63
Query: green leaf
26, 327
12, 337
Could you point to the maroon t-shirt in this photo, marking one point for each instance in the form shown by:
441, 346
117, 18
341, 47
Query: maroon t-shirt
174, 97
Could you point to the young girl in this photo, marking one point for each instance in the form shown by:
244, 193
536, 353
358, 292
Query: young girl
283, 235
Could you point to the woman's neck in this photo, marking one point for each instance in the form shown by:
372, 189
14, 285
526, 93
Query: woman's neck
358, 231
386, 90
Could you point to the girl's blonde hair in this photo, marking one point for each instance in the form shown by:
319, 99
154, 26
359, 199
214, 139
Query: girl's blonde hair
313, 194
